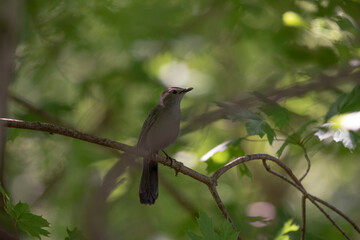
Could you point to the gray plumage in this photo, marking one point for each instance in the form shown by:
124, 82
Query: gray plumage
159, 131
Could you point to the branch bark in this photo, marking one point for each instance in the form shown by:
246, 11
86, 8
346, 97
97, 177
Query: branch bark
211, 182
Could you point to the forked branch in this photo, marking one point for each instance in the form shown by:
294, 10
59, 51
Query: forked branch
211, 182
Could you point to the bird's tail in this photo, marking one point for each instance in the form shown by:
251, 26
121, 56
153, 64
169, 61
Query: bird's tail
148, 191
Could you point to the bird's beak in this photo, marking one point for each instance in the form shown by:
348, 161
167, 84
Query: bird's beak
187, 90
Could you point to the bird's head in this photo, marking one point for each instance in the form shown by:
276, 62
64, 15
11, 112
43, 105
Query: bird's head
173, 95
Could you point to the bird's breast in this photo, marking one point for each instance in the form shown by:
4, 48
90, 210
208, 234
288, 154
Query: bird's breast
165, 130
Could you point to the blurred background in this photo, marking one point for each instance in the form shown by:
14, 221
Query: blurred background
100, 66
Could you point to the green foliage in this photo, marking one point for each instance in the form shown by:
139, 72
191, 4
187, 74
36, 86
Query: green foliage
74, 234
26, 221
255, 124
343, 119
100, 66
222, 154
345, 103
207, 229
258, 126
280, 115
288, 227
244, 170
295, 138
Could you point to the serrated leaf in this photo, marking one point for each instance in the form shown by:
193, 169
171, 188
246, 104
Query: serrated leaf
345, 103
227, 232
193, 236
280, 115
244, 171
74, 234
289, 226
207, 229
338, 135
33, 224
28, 222
258, 126
206, 226
255, 124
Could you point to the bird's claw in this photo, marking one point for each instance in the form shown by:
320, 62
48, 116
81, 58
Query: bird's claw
172, 165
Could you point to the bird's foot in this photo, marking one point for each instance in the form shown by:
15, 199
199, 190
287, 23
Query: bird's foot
172, 165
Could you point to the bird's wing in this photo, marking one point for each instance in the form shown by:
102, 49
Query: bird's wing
149, 122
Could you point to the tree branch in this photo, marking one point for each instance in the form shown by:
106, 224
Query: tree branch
317, 83
211, 182
54, 129
303, 207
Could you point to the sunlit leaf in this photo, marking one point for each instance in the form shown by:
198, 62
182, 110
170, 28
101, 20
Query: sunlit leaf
340, 128
345, 103
222, 154
293, 19
288, 227
336, 134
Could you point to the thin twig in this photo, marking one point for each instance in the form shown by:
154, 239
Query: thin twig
308, 163
296, 182
222, 207
356, 227
328, 217
307, 195
303, 207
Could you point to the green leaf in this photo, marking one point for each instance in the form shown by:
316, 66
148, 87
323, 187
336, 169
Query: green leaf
222, 154
227, 232
74, 234
206, 227
288, 227
28, 222
4, 194
282, 148
255, 124
345, 103
244, 171
258, 126
294, 138
338, 135
9, 207
193, 236
280, 115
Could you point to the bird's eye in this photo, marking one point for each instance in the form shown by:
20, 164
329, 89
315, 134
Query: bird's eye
174, 91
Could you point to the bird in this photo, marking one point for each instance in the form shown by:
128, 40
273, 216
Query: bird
160, 130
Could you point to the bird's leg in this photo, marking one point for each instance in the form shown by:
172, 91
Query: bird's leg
172, 161
168, 157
